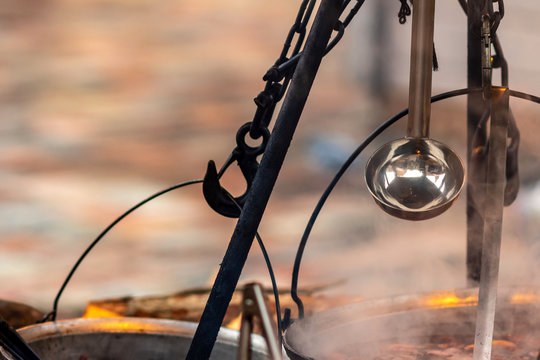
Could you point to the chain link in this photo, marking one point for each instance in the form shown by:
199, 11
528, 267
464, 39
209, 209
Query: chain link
404, 11
495, 16
280, 73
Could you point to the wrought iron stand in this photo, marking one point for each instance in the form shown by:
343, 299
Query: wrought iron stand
267, 173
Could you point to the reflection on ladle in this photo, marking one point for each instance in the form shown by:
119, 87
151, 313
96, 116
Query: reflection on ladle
416, 178
422, 176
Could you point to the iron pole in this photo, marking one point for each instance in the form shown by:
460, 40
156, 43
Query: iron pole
246, 227
491, 249
476, 139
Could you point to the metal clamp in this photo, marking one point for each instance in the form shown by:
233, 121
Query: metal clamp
486, 57
254, 305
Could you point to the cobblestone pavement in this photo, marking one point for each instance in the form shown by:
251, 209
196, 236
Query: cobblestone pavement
106, 102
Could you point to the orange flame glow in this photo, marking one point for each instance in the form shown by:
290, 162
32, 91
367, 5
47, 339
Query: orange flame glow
524, 298
450, 300
93, 311
235, 323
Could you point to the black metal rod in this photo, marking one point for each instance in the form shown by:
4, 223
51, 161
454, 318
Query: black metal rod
246, 227
14, 344
476, 138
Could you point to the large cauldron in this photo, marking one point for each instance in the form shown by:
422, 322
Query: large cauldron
359, 330
126, 339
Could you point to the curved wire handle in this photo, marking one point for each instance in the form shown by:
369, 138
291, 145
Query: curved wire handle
294, 285
343, 169
52, 314
272, 277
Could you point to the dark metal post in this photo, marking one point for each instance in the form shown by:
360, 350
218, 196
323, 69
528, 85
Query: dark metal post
491, 249
246, 227
476, 139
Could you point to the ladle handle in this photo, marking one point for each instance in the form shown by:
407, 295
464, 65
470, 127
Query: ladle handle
421, 64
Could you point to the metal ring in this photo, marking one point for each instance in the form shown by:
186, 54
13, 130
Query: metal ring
247, 149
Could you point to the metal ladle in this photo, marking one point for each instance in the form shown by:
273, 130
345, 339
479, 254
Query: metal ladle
416, 178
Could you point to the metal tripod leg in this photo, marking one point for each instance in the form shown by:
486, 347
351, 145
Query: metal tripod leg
254, 306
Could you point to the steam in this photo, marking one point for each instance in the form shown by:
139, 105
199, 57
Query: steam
361, 331
411, 258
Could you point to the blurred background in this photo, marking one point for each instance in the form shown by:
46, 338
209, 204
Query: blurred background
105, 102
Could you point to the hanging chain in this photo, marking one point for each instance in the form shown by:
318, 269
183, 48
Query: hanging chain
490, 23
497, 59
277, 80
404, 11
279, 75
274, 90
495, 16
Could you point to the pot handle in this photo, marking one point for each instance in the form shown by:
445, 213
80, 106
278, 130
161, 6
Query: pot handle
51, 316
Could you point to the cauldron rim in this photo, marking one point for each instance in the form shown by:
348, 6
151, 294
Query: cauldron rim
384, 309
151, 326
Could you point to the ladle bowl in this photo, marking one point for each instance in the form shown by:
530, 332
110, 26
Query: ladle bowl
414, 179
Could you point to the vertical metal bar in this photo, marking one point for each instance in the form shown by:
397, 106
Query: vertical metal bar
423, 24
246, 227
491, 249
254, 306
476, 139
244, 341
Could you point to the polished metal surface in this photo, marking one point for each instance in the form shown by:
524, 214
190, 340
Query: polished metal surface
415, 179
423, 24
127, 339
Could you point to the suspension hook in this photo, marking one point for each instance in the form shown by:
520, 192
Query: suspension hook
217, 197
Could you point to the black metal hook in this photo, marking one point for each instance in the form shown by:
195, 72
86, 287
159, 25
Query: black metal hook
217, 197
